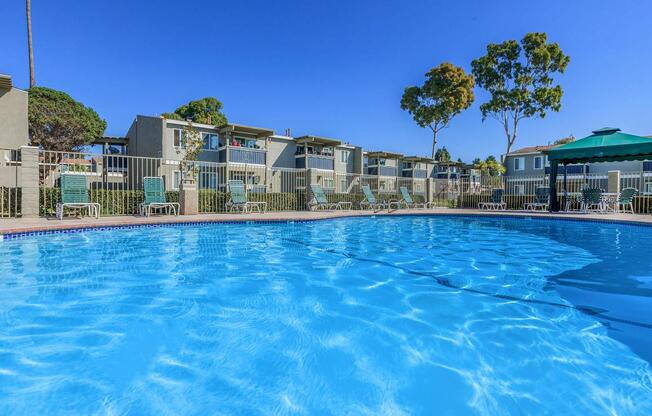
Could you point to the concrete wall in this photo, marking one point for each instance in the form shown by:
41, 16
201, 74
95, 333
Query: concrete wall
145, 137
13, 118
280, 152
528, 168
349, 166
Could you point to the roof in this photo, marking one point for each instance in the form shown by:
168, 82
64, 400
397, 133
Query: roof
111, 140
241, 128
532, 149
388, 155
608, 144
319, 140
5, 82
419, 159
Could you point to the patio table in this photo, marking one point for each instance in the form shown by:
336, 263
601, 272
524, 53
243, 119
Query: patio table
610, 201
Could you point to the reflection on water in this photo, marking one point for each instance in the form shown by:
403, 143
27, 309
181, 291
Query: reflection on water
359, 316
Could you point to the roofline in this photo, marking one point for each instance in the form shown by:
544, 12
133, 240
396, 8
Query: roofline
318, 139
387, 155
243, 128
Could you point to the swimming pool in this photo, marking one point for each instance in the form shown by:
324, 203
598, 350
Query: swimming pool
402, 315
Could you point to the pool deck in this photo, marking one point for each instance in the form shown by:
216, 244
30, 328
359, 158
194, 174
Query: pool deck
30, 225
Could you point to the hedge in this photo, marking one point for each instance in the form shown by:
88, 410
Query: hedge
9, 201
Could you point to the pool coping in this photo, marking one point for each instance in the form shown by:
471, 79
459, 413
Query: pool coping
17, 228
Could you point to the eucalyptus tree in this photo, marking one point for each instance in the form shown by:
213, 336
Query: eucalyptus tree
519, 80
446, 92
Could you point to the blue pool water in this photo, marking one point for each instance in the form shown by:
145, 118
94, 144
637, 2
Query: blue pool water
404, 315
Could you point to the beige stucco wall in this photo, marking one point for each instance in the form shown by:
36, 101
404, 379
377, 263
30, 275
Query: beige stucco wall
13, 118
280, 153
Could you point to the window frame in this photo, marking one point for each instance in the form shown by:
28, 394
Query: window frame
521, 163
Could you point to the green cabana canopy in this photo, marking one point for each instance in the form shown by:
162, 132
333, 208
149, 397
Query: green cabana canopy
604, 145
608, 144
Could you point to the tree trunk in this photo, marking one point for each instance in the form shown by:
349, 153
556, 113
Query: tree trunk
434, 142
28, 4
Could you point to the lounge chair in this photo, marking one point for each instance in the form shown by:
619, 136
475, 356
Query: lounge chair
75, 195
626, 199
238, 199
496, 201
319, 200
541, 199
406, 199
370, 201
592, 200
155, 197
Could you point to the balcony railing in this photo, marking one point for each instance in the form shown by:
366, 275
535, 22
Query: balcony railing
315, 162
414, 173
382, 170
321, 162
242, 155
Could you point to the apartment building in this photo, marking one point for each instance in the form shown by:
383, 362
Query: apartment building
256, 155
13, 129
531, 161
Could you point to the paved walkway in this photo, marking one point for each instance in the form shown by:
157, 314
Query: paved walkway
22, 225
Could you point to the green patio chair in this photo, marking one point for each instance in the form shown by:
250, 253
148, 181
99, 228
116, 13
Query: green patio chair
406, 199
370, 201
495, 202
541, 199
319, 200
626, 199
155, 197
238, 201
592, 200
75, 195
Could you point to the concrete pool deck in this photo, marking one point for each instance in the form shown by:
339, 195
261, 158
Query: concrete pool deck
30, 225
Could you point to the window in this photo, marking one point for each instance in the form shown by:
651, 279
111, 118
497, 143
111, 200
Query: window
648, 188
344, 185
344, 156
329, 183
177, 139
546, 162
244, 142
519, 189
176, 180
538, 162
211, 141
519, 163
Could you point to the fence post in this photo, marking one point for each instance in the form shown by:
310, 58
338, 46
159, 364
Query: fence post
29, 181
613, 181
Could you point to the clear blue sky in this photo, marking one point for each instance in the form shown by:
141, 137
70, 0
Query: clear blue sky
333, 68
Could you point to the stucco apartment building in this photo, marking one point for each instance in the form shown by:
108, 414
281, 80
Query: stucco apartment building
531, 161
257, 155
13, 129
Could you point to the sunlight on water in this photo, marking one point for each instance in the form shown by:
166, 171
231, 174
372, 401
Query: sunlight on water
353, 316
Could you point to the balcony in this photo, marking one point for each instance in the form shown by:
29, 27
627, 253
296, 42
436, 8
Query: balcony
315, 162
242, 155
415, 173
382, 170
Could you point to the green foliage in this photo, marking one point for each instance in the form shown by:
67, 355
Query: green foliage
206, 111
447, 91
10, 201
489, 166
519, 79
192, 146
442, 155
125, 202
58, 122
565, 140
